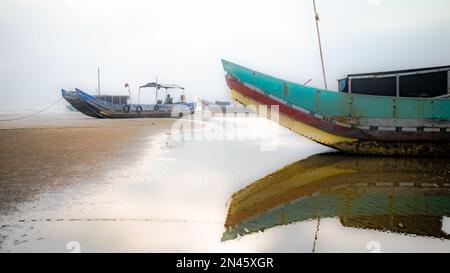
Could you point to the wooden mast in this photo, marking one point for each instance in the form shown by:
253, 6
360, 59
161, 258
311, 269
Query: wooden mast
320, 44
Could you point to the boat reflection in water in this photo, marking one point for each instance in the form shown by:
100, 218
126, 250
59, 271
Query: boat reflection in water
397, 195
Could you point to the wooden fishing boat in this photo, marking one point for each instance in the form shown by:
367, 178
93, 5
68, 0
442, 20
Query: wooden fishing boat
348, 121
119, 106
400, 195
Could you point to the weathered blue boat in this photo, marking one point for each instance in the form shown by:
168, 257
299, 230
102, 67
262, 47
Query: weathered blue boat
119, 106
354, 122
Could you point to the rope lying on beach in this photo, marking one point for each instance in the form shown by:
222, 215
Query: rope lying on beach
33, 114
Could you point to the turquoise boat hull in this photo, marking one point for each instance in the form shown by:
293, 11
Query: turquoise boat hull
352, 123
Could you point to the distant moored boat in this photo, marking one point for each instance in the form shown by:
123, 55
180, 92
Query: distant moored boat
102, 106
224, 107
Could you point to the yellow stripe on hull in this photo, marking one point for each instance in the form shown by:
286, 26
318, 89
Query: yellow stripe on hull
301, 128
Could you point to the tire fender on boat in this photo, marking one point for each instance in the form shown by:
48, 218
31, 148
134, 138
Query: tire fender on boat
126, 109
156, 108
139, 109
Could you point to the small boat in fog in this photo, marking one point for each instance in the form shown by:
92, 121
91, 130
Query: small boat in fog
389, 113
223, 107
398, 195
109, 106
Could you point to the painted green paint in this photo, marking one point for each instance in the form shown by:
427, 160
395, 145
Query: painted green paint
330, 103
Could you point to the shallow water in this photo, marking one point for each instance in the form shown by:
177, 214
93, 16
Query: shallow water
189, 195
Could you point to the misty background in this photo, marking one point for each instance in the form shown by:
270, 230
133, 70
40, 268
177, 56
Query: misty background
46, 45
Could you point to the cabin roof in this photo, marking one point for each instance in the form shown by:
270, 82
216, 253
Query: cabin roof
399, 72
160, 85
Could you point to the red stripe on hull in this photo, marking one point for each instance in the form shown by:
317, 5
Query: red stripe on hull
310, 120
375, 135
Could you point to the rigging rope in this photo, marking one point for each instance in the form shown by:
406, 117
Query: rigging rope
33, 114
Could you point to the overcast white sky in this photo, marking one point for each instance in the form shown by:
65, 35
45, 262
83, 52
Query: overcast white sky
46, 45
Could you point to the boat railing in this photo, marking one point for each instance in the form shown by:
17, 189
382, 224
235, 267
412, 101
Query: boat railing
100, 103
97, 101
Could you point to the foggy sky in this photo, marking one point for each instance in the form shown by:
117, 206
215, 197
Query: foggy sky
46, 45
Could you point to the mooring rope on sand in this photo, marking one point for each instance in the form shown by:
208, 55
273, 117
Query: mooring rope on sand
33, 114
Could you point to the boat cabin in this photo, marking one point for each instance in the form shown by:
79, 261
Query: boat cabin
420, 83
114, 99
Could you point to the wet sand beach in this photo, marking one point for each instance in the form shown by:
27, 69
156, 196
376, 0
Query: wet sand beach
124, 185
278, 114
71, 184
48, 157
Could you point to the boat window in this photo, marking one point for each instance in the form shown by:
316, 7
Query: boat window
375, 86
424, 85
